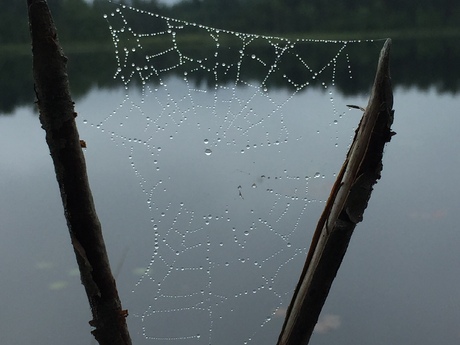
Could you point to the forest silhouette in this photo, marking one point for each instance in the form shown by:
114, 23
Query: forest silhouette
79, 20
426, 35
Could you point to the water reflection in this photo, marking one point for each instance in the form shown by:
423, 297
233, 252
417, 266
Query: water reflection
227, 236
418, 63
379, 293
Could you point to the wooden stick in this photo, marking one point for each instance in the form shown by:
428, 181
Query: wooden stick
57, 116
344, 209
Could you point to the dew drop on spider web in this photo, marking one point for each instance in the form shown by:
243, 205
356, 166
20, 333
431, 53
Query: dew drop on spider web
224, 239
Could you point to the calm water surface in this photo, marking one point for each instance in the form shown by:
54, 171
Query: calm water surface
398, 283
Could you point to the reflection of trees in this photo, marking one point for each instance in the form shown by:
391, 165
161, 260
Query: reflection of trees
419, 63
15, 82
427, 63
87, 70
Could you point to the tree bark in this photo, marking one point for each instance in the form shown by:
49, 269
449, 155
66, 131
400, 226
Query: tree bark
57, 116
344, 209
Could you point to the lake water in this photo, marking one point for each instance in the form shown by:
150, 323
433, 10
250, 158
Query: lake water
222, 211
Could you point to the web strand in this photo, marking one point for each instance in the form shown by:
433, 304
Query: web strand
233, 161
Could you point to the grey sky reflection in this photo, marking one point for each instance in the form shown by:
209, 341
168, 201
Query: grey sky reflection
398, 283
227, 234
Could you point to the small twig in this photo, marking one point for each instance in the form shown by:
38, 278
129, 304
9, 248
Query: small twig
356, 107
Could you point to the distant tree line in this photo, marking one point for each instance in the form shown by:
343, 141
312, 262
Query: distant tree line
79, 20
303, 16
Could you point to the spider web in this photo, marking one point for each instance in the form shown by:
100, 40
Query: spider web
233, 139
